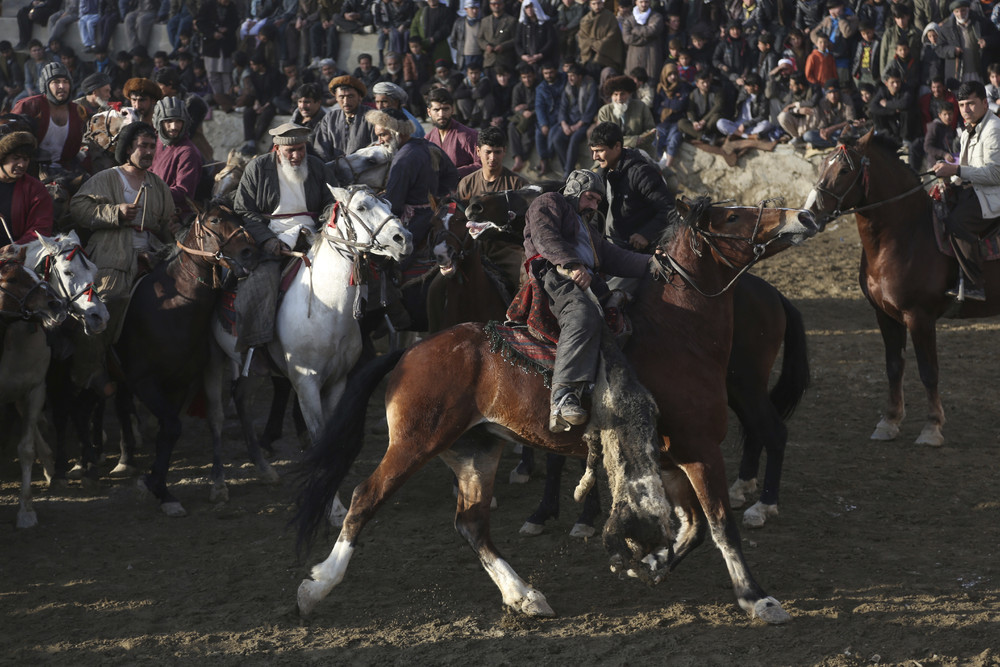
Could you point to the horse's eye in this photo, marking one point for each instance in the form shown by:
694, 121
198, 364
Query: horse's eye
732, 218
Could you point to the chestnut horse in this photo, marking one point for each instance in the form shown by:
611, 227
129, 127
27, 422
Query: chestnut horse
164, 344
763, 320
903, 274
693, 310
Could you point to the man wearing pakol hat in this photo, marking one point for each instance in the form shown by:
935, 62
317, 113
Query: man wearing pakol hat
564, 254
281, 194
344, 129
128, 210
59, 123
96, 90
25, 204
964, 39
178, 161
632, 116
142, 95
390, 96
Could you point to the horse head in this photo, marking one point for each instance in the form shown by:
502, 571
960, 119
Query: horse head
65, 266
104, 126
228, 179
368, 224
23, 295
452, 241
504, 210
843, 180
217, 234
366, 166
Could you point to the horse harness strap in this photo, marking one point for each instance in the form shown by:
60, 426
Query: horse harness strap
22, 313
862, 176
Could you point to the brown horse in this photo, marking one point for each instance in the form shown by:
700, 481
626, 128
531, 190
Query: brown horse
164, 344
693, 310
763, 320
903, 274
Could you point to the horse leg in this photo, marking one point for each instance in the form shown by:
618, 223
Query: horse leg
708, 479
308, 392
522, 473
924, 336
169, 432
244, 390
475, 465
548, 508
584, 526
124, 410
894, 340
763, 428
218, 366
86, 406
58, 389
691, 525
275, 418
31, 409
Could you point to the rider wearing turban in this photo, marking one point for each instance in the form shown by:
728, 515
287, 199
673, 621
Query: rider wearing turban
390, 96
178, 161
25, 205
59, 123
564, 255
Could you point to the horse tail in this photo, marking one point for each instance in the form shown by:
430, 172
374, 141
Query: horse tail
794, 378
327, 463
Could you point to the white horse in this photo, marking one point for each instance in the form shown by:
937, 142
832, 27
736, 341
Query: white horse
24, 361
317, 338
366, 166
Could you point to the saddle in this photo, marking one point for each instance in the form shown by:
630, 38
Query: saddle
944, 198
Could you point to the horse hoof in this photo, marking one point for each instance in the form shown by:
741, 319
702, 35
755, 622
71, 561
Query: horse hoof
517, 477
931, 435
337, 513
581, 530
739, 491
306, 597
58, 483
75, 473
123, 470
27, 519
173, 509
757, 515
144, 492
268, 474
218, 493
532, 529
885, 430
535, 604
769, 610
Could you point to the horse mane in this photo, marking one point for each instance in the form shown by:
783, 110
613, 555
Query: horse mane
887, 147
697, 209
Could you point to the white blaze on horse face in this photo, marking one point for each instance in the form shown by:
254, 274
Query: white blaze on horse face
811, 200
445, 264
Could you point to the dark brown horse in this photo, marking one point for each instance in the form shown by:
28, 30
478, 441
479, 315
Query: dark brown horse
903, 274
164, 343
763, 320
687, 377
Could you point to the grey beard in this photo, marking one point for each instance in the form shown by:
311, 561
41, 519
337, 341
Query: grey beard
393, 145
297, 174
618, 108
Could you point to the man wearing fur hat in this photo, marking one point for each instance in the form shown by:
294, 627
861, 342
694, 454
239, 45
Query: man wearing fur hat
142, 95
59, 123
344, 129
25, 205
96, 90
281, 193
624, 110
565, 254
178, 161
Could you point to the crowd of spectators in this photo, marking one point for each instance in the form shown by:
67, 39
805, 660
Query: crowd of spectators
546, 71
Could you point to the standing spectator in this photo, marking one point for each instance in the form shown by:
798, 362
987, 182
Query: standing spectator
965, 38
876, 13
842, 33
892, 109
392, 23
456, 140
704, 110
732, 56
496, 37
600, 41
547, 98
568, 17
534, 35
417, 71
992, 88
464, 37
11, 74
35, 12
631, 116
756, 16
217, 23
642, 33
767, 60
432, 24
926, 12
808, 13
907, 67
866, 56
901, 30
577, 109
521, 128
820, 65
702, 51
931, 64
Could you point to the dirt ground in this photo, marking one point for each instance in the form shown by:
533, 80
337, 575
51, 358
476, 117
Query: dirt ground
883, 553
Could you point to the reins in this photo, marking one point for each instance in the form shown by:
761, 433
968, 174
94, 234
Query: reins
23, 312
62, 284
215, 259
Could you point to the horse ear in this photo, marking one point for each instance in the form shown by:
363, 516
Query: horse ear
682, 206
47, 245
72, 236
862, 143
194, 206
340, 194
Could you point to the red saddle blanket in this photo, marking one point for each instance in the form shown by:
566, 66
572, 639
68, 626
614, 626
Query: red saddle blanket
522, 349
530, 308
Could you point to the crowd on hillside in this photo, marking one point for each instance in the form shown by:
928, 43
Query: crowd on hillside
546, 71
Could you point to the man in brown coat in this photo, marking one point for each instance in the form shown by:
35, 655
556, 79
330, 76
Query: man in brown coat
600, 40
496, 38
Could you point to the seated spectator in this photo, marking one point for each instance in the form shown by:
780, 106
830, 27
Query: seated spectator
939, 92
473, 97
940, 139
309, 111
799, 108
547, 97
500, 97
671, 104
393, 70
392, 20
258, 107
33, 68
704, 110
632, 116
833, 118
521, 125
993, 87
355, 17
732, 56
644, 87
365, 72
36, 12
751, 117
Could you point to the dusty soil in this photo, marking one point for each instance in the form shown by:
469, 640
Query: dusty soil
884, 553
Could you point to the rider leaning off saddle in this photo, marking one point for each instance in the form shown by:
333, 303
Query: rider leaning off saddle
276, 198
977, 211
565, 254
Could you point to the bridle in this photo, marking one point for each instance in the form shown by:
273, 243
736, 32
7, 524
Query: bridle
91, 134
22, 312
709, 238
346, 240
219, 257
356, 174
45, 267
464, 244
861, 176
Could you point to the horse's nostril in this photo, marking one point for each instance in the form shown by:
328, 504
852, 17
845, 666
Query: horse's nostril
398, 238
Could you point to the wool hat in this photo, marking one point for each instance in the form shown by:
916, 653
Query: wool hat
619, 83
390, 89
348, 80
17, 140
391, 119
94, 81
142, 87
127, 135
289, 134
958, 4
